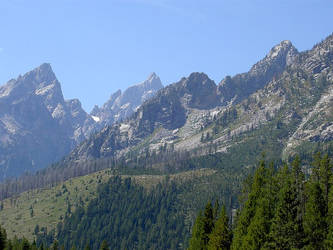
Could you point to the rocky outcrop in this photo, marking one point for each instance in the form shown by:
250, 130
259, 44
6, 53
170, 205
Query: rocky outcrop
38, 126
122, 105
168, 111
241, 86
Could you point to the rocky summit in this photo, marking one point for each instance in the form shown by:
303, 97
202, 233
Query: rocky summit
284, 101
122, 105
38, 126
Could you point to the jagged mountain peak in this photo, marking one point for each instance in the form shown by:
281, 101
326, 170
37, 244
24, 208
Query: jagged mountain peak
272, 65
152, 82
42, 75
152, 76
199, 78
40, 81
281, 55
123, 104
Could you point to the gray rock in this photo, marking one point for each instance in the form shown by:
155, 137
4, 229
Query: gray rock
122, 105
38, 127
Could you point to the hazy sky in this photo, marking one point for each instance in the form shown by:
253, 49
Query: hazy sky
96, 47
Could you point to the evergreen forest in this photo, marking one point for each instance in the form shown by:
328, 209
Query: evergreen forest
285, 207
279, 206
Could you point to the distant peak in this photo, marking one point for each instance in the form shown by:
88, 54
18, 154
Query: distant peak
198, 76
286, 43
152, 76
152, 80
197, 79
42, 73
281, 49
45, 66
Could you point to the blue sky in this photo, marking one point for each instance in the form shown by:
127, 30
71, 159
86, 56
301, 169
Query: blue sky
97, 47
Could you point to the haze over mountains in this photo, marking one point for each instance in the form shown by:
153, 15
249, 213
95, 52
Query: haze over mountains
288, 92
38, 126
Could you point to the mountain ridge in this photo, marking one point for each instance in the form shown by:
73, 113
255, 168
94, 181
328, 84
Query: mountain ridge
192, 113
251, 99
34, 113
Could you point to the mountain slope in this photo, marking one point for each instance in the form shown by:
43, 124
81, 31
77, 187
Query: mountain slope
38, 126
165, 112
122, 105
50, 205
270, 100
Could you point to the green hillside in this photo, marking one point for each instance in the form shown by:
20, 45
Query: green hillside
47, 207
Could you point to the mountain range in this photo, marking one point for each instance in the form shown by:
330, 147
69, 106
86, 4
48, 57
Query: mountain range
38, 126
285, 99
283, 103
137, 170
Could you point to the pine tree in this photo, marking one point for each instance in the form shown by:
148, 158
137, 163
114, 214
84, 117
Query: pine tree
286, 230
329, 238
315, 217
208, 222
258, 229
216, 210
251, 204
318, 216
221, 236
325, 177
196, 240
316, 167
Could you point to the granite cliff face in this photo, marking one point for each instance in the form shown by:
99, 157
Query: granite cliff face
240, 86
38, 126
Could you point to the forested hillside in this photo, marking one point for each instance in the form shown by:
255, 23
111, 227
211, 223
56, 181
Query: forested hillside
283, 207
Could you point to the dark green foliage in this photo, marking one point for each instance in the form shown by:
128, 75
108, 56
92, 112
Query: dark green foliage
315, 217
3, 238
16, 244
197, 239
208, 222
286, 230
279, 209
207, 228
254, 207
221, 236
128, 217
